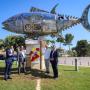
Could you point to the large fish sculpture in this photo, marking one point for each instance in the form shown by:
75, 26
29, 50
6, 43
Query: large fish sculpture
39, 22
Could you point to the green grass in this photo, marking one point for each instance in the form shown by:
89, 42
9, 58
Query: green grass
18, 82
69, 79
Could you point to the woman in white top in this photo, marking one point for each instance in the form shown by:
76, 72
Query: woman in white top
22, 59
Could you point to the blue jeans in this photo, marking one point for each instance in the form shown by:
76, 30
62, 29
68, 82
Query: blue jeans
8, 67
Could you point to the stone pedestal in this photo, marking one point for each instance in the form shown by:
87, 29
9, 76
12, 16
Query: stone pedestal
39, 63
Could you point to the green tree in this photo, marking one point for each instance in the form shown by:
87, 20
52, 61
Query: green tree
14, 41
1, 43
52, 41
47, 41
88, 50
82, 48
68, 40
72, 53
60, 40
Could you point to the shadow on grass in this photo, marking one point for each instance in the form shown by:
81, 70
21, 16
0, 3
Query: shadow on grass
39, 74
34, 73
1, 78
1, 71
14, 70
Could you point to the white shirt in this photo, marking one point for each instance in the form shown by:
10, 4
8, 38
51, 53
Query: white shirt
23, 52
43, 50
47, 53
11, 52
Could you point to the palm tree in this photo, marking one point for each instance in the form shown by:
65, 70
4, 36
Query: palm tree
60, 40
68, 40
53, 42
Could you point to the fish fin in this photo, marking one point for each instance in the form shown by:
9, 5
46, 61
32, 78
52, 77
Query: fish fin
34, 9
53, 10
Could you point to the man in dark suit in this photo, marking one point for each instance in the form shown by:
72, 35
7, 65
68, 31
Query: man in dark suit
8, 62
54, 61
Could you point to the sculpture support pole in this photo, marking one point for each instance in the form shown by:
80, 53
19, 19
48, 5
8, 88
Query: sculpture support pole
42, 50
40, 54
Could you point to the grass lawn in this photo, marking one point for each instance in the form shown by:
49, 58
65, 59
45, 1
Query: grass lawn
18, 82
69, 79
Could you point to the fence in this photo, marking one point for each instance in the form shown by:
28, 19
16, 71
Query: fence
81, 61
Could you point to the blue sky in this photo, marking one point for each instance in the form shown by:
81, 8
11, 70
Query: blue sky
9, 8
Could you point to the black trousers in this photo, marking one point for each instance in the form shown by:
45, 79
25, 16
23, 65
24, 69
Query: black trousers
55, 68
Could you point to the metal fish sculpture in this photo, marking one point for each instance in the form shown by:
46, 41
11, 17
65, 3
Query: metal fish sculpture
40, 22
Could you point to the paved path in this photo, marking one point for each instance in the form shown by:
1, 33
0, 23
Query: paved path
38, 86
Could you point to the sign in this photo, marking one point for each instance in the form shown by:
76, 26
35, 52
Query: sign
32, 27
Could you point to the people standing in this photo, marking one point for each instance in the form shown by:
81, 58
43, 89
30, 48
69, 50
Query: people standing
22, 59
47, 58
8, 62
54, 61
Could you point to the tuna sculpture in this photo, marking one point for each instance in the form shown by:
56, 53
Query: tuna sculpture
39, 22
